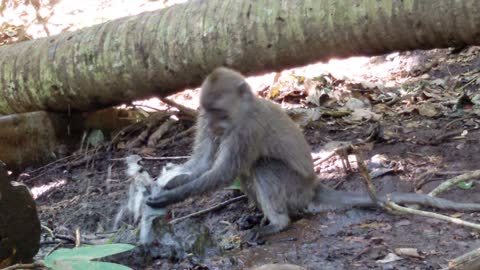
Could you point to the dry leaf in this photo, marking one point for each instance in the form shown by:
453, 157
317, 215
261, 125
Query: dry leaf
411, 252
391, 257
427, 109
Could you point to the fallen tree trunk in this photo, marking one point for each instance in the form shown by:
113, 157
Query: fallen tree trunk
158, 53
39, 137
36, 138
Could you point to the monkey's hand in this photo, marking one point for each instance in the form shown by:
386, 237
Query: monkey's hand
161, 199
254, 237
177, 181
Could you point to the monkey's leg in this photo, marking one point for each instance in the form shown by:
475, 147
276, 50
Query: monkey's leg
248, 188
271, 195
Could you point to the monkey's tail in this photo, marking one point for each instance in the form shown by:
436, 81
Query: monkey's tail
328, 199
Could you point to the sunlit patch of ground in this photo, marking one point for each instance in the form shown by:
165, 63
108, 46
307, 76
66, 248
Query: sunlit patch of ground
38, 191
372, 71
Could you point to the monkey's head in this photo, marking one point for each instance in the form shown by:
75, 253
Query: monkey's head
224, 99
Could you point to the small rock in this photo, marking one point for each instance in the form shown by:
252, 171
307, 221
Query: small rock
403, 222
20, 226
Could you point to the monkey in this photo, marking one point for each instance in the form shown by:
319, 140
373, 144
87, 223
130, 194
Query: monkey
241, 135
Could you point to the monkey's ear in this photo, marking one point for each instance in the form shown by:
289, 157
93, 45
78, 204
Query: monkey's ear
243, 89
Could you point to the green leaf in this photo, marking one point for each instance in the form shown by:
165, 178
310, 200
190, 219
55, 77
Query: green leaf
465, 185
90, 265
235, 185
67, 256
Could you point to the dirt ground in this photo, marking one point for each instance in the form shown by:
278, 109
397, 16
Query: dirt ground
86, 191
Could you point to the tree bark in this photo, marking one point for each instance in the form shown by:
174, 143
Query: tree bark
160, 52
37, 137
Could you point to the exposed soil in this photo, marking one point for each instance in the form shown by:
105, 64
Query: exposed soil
87, 197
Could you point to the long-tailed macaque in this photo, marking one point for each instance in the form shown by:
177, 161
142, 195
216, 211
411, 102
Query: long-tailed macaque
241, 135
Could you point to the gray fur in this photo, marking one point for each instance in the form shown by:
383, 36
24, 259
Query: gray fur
258, 142
241, 135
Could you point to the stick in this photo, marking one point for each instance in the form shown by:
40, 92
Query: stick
215, 207
458, 221
154, 158
372, 192
34, 265
183, 109
453, 181
468, 261
320, 161
78, 241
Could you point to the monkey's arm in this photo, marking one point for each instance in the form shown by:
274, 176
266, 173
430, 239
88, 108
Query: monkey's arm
194, 167
225, 168
201, 159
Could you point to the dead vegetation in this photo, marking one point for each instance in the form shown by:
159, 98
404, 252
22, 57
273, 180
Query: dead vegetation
414, 135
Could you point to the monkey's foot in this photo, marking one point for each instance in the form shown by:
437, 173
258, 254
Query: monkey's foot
257, 234
253, 237
249, 221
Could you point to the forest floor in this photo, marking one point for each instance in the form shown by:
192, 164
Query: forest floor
427, 107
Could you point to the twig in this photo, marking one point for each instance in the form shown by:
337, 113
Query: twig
320, 161
57, 246
453, 181
215, 207
78, 241
65, 238
428, 177
467, 84
468, 261
183, 109
372, 192
449, 173
153, 121
159, 132
124, 131
72, 240
146, 106
342, 152
34, 265
48, 230
440, 139
468, 116
50, 164
166, 158
166, 141
154, 158
458, 221
59, 166
454, 121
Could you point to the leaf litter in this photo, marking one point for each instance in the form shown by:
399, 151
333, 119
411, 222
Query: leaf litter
419, 111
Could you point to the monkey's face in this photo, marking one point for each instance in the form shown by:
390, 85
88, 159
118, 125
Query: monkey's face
223, 109
224, 99
219, 121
